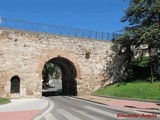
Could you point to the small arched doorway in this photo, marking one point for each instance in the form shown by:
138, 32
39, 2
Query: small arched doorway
15, 84
68, 75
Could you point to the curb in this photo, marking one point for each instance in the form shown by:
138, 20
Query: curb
120, 109
147, 111
130, 99
43, 110
90, 101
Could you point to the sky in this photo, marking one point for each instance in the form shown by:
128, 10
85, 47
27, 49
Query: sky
96, 15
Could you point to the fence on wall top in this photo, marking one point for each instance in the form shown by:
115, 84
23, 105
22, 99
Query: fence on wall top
53, 29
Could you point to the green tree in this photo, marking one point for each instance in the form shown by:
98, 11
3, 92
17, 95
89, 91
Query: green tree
51, 71
47, 71
143, 17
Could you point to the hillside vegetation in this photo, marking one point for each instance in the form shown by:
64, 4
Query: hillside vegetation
136, 90
138, 87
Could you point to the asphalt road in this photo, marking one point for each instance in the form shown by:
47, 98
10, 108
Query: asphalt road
69, 108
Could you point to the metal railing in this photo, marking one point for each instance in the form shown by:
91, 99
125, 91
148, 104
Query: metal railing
53, 29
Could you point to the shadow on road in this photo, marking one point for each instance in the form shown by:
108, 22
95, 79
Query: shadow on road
52, 93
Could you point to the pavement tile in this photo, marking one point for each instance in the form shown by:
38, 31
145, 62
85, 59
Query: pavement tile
122, 103
19, 115
35, 112
22, 109
28, 115
134, 104
5, 116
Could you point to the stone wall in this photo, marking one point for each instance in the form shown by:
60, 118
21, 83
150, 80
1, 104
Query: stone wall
24, 54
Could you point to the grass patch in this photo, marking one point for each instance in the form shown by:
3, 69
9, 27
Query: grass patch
4, 100
136, 90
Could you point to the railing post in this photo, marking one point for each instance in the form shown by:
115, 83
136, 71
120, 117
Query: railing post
76, 32
83, 33
102, 35
90, 34
96, 35
69, 31
113, 37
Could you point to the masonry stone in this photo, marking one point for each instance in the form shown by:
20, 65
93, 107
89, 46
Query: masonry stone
24, 54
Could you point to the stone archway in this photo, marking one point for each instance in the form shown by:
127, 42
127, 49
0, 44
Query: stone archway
48, 55
69, 74
66, 61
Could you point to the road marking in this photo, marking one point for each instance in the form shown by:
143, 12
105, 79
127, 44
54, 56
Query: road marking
67, 115
49, 116
87, 115
102, 112
46, 111
106, 106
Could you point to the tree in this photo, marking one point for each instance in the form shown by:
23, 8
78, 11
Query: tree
143, 17
50, 71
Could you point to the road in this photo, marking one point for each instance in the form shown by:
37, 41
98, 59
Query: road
54, 88
70, 108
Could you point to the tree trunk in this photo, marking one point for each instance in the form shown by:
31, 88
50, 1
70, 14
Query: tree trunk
151, 66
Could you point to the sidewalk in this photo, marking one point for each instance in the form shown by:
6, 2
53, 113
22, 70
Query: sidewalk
27, 109
22, 109
149, 107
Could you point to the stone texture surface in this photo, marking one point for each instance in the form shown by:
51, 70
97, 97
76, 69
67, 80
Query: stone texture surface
24, 54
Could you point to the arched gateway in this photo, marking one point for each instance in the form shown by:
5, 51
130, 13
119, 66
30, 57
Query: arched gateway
69, 75
69, 65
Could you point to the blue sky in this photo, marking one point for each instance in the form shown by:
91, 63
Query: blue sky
97, 15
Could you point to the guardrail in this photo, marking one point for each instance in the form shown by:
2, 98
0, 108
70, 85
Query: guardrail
53, 29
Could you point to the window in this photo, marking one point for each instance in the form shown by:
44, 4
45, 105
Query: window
15, 84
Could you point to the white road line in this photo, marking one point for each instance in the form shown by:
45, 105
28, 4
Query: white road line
106, 106
49, 116
102, 112
67, 115
87, 115
111, 107
46, 111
